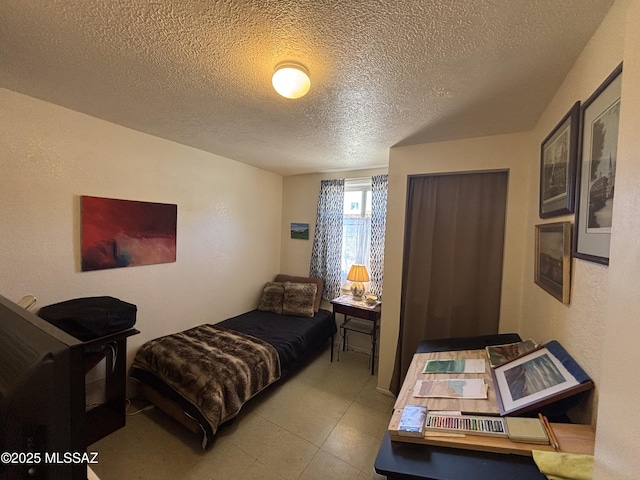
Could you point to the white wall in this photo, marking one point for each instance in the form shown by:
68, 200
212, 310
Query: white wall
229, 217
618, 435
503, 152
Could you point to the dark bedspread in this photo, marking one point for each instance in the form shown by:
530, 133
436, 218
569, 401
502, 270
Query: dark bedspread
294, 338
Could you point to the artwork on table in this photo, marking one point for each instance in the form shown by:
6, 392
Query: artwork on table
535, 379
597, 173
553, 259
558, 158
455, 365
300, 231
451, 388
501, 354
126, 233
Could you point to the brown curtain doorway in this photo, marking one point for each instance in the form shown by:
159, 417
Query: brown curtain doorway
452, 264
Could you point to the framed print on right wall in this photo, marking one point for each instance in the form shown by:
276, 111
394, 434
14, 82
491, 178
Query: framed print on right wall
558, 158
597, 172
553, 259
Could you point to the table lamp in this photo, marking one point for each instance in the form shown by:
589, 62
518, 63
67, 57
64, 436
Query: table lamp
357, 275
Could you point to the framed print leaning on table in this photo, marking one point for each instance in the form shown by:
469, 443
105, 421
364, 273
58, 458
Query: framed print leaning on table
597, 173
538, 378
558, 158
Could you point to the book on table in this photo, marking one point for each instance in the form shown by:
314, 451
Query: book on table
526, 430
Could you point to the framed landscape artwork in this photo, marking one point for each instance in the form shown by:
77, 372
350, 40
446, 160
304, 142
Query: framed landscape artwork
558, 158
300, 231
553, 259
597, 173
535, 379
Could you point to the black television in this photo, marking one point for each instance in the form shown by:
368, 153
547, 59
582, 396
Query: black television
42, 398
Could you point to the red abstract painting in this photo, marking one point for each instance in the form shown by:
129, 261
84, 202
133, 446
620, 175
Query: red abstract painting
126, 233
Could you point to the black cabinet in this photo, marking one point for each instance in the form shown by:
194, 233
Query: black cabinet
105, 400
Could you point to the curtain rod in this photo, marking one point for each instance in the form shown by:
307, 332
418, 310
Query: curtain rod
358, 179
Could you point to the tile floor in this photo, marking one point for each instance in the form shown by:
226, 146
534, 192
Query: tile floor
324, 422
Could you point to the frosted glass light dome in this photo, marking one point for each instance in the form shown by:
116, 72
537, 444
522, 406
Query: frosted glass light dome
291, 80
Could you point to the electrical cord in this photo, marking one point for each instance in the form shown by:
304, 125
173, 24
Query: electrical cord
148, 407
114, 355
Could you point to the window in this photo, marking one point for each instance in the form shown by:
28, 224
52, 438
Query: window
356, 225
350, 227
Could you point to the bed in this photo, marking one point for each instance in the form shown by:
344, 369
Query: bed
204, 375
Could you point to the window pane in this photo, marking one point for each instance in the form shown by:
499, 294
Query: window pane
356, 229
353, 203
356, 239
367, 203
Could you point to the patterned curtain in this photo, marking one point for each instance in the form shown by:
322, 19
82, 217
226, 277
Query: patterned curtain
378, 223
327, 240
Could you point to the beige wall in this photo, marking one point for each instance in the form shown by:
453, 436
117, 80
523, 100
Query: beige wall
504, 152
618, 435
300, 204
229, 217
579, 327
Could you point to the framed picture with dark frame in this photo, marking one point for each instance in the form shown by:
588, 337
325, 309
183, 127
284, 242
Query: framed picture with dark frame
597, 172
537, 379
558, 158
300, 231
553, 259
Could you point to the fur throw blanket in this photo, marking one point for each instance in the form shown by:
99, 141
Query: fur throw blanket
217, 370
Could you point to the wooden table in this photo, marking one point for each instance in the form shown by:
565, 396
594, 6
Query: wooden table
572, 438
365, 319
453, 458
405, 397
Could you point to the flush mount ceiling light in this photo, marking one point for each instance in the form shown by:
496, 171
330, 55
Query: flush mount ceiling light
291, 80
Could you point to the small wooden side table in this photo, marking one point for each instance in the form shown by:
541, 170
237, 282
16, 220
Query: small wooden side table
358, 317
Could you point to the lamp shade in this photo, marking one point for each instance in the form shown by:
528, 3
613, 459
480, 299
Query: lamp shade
291, 80
358, 273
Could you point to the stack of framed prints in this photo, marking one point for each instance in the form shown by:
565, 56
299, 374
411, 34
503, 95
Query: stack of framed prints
540, 377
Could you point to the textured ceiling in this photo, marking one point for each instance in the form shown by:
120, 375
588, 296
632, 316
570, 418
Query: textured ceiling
383, 73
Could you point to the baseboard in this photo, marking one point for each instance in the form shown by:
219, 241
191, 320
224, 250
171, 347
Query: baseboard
385, 392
